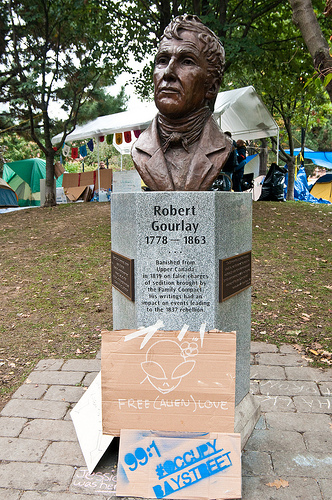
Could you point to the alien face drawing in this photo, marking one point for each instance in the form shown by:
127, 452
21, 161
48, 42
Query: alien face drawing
167, 362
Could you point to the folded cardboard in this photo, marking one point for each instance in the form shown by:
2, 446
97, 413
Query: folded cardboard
88, 178
79, 193
168, 384
152, 465
58, 169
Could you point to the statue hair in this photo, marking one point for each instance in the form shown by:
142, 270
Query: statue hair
212, 46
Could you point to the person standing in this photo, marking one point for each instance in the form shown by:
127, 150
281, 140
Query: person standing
239, 169
230, 164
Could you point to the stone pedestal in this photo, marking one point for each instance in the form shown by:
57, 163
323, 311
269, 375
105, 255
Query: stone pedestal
184, 258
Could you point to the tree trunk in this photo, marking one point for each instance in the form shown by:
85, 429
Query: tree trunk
50, 196
165, 16
304, 17
291, 179
263, 156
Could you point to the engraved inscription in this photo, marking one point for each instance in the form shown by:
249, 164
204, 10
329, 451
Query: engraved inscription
176, 286
234, 275
175, 281
123, 275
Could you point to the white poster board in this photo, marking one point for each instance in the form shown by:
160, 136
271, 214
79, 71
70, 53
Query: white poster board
86, 416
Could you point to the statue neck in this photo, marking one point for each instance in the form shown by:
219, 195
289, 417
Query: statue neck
187, 129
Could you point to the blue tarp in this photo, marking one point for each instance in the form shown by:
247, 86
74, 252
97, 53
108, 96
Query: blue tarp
301, 189
321, 158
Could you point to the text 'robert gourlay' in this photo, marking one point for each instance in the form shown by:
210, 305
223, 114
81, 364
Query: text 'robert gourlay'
181, 225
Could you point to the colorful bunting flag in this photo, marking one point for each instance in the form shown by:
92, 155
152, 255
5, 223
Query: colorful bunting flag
74, 153
66, 150
137, 133
83, 151
101, 138
109, 139
127, 137
90, 144
118, 138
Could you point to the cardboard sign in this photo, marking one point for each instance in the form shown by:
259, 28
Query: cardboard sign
168, 382
198, 467
88, 178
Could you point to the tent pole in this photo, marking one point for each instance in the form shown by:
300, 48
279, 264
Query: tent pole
98, 169
278, 147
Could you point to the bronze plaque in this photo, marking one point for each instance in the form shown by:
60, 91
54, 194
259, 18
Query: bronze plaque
234, 275
123, 275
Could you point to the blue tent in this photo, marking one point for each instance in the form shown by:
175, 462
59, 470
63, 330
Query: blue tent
8, 197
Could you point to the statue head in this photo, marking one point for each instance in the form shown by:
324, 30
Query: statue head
188, 67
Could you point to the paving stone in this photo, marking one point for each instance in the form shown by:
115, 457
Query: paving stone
52, 430
261, 423
82, 365
9, 494
302, 464
275, 440
64, 393
308, 373
11, 426
65, 453
98, 355
261, 372
288, 388
288, 349
280, 359
318, 441
34, 495
254, 387
256, 463
301, 422
276, 403
30, 408
102, 481
325, 388
326, 488
50, 364
35, 476
67, 417
256, 347
55, 377
313, 404
88, 379
30, 391
255, 488
22, 450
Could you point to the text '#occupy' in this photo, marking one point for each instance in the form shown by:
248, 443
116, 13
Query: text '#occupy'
192, 467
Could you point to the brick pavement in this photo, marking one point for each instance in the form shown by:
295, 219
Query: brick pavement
40, 458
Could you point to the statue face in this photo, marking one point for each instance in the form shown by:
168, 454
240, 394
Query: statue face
180, 76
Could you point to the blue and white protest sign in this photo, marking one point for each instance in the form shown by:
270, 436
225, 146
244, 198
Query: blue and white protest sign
188, 466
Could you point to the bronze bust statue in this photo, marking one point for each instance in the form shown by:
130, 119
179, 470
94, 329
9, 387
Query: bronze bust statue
184, 149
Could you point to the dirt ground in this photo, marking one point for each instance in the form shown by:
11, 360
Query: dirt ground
56, 292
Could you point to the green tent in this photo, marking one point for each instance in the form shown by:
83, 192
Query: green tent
24, 177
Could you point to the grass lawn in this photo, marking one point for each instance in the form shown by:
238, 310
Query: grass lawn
56, 291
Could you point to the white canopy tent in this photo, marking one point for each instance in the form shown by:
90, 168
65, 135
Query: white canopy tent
241, 111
